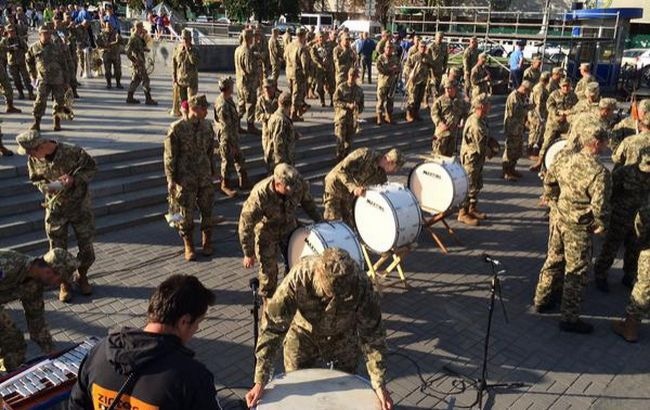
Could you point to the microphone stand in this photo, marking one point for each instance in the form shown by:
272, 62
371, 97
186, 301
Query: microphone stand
254, 284
481, 384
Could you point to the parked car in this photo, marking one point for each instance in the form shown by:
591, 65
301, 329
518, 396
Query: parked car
223, 20
638, 57
290, 27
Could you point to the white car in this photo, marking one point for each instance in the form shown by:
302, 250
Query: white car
638, 57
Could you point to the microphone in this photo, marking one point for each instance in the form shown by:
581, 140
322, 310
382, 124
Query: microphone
487, 258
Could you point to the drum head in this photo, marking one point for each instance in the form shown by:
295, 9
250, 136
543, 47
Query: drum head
298, 246
376, 221
552, 151
433, 187
314, 239
318, 389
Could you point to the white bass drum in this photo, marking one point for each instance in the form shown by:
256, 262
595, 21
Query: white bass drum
439, 185
552, 151
314, 239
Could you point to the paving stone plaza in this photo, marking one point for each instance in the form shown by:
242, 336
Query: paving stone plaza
437, 323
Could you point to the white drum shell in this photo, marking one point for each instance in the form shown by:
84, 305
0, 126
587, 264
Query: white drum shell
314, 239
318, 389
439, 186
387, 217
552, 151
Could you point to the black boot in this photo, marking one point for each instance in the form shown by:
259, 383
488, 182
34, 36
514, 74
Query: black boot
149, 100
130, 99
118, 84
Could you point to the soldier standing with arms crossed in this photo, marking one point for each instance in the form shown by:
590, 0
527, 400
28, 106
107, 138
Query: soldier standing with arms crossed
109, 42
447, 114
388, 68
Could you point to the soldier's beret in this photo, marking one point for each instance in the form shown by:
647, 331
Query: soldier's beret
480, 100
545, 76
226, 83
186, 33
565, 81
592, 88
592, 132
62, 262
28, 141
449, 83
284, 99
607, 103
198, 100
395, 156
286, 175
527, 85
585, 66
557, 70
644, 162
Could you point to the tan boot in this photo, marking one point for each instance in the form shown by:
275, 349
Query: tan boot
507, 173
11, 109
473, 210
230, 193
409, 116
36, 125
190, 255
465, 217
57, 123
243, 180
130, 99
628, 329
206, 243
388, 118
82, 281
65, 292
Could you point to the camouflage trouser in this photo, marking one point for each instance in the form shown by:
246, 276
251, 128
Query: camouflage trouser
338, 203
571, 247
112, 68
344, 130
620, 232
75, 64
536, 131
298, 89
467, 85
303, 351
340, 78
139, 75
432, 88
384, 100
180, 93
82, 221
640, 298
551, 134
42, 94
269, 243
275, 70
21, 77
480, 89
445, 143
473, 165
330, 81
231, 156
188, 197
514, 147
549, 284
268, 156
416, 94
246, 99
319, 84
7, 91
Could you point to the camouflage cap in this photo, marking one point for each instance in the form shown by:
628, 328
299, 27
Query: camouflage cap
138, 24
557, 70
592, 88
545, 76
480, 100
275, 30
286, 175
644, 160
449, 83
592, 132
565, 81
198, 100
353, 71
28, 141
337, 272
610, 103
344, 36
455, 70
301, 31
527, 85
285, 99
62, 262
395, 156
226, 82
186, 33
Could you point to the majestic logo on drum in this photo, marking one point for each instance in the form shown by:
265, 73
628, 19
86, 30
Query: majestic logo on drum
374, 204
431, 174
311, 246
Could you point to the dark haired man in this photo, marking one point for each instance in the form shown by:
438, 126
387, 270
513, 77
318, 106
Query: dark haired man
152, 367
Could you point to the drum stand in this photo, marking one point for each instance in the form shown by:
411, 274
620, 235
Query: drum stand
375, 269
481, 384
428, 225
254, 284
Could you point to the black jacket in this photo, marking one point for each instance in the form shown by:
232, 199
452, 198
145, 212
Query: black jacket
168, 378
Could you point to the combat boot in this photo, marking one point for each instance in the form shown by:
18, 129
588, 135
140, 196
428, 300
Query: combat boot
36, 125
473, 210
130, 99
514, 172
230, 193
75, 94
82, 281
108, 84
409, 116
507, 173
388, 118
21, 95
11, 109
31, 95
118, 84
252, 130
149, 100
190, 255
628, 329
465, 217
206, 242
65, 292
379, 119
5, 152
57, 123
243, 180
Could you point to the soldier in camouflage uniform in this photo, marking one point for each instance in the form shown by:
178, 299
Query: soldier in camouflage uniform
267, 219
4, 151
350, 178
348, 106
383, 41
83, 42
62, 172
5, 85
267, 104
344, 59
190, 170
296, 57
588, 104
628, 151
24, 278
330, 70
473, 151
275, 54
109, 43
226, 120
581, 85
454, 74
559, 105
48, 63
514, 127
470, 58
16, 49
262, 47
600, 114
135, 49
480, 76
299, 318
185, 72
639, 304
388, 68
533, 73
318, 54
418, 66
556, 76
584, 187
248, 78
447, 114
537, 115
439, 55
414, 49
282, 134
67, 35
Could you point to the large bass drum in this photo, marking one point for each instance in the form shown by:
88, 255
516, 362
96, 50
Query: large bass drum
318, 389
552, 151
314, 239
387, 217
439, 185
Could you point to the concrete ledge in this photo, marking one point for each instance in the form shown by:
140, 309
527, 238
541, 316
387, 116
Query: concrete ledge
217, 57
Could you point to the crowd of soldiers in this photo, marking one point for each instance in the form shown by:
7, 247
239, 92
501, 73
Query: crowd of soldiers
583, 197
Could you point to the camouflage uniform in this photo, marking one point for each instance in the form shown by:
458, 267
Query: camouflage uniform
109, 42
639, 304
318, 54
387, 68
473, 151
582, 205
263, 112
477, 79
532, 74
317, 329
581, 86
451, 112
345, 118
227, 121
49, 63
297, 61
82, 42
185, 70
275, 56
344, 59
330, 70
16, 49
538, 115
552, 85
439, 55
514, 126
629, 151
247, 81
623, 129
470, 57
557, 123
359, 169
282, 139
189, 163
266, 221
135, 50
419, 64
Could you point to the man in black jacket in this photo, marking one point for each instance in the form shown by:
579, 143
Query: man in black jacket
152, 366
